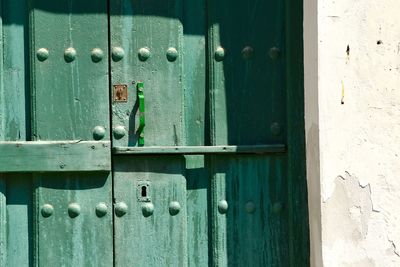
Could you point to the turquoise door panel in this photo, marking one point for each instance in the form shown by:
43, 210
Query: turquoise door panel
151, 211
249, 211
152, 133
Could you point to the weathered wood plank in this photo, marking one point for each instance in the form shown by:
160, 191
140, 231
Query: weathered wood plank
198, 150
54, 156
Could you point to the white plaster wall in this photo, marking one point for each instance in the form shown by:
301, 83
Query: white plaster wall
354, 145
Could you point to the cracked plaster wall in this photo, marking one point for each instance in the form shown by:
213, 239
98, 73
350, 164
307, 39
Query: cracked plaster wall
352, 93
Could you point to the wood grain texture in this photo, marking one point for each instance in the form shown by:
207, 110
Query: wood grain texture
69, 98
155, 26
46, 156
159, 239
299, 243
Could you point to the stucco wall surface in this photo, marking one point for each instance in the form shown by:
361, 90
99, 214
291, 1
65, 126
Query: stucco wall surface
353, 132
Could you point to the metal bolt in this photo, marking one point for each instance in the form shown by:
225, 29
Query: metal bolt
147, 209
70, 54
74, 210
121, 209
99, 132
42, 54
97, 55
101, 209
144, 53
174, 208
47, 210
219, 54
223, 206
117, 53
172, 54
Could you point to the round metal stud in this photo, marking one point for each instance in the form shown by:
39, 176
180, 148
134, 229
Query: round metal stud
222, 206
101, 209
74, 210
277, 207
174, 208
70, 54
276, 129
121, 209
219, 54
97, 55
99, 132
117, 53
172, 54
147, 209
274, 53
247, 52
119, 132
42, 54
250, 207
47, 210
144, 54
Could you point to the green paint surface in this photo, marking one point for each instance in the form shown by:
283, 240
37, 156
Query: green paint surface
222, 158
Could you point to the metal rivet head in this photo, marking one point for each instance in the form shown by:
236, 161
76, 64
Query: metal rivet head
101, 209
119, 132
276, 129
144, 53
42, 54
70, 54
219, 54
172, 54
174, 208
97, 55
147, 209
74, 210
47, 210
274, 53
250, 207
117, 53
121, 209
277, 207
99, 132
247, 52
222, 206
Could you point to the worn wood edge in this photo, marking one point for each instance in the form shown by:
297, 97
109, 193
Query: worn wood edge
199, 150
59, 156
298, 222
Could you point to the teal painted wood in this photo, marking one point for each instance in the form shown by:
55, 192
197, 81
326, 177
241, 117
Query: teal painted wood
70, 101
19, 220
74, 219
246, 79
47, 156
198, 211
200, 150
194, 72
70, 84
14, 88
151, 232
16, 235
297, 183
146, 41
249, 211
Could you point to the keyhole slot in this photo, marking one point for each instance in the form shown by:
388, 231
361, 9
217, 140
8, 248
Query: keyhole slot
144, 191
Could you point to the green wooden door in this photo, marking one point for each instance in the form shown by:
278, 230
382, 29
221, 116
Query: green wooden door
152, 133
206, 128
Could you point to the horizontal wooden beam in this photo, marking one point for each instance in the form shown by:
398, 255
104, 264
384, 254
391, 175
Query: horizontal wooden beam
52, 156
198, 150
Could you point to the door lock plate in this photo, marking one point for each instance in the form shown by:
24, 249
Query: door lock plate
143, 191
120, 93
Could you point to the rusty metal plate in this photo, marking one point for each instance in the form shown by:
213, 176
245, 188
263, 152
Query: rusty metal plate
120, 93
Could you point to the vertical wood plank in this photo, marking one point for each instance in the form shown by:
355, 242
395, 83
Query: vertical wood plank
194, 72
152, 232
246, 72
70, 101
297, 183
144, 32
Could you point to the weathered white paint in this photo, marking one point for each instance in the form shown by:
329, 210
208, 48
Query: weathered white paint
353, 149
